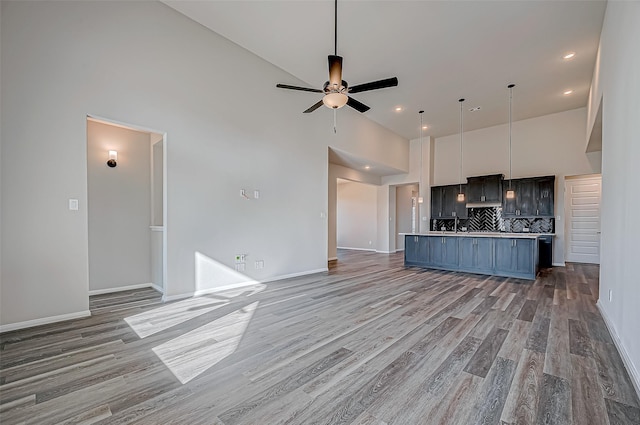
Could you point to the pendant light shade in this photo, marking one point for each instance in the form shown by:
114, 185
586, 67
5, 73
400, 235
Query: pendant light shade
511, 194
460, 193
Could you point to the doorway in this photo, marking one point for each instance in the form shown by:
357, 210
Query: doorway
126, 191
407, 212
582, 212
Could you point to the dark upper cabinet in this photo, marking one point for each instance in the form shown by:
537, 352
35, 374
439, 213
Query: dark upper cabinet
444, 202
545, 196
533, 197
485, 189
436, 202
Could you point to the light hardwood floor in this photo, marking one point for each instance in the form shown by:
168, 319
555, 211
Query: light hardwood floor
370, 342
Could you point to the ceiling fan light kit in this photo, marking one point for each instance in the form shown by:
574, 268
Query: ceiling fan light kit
336, 90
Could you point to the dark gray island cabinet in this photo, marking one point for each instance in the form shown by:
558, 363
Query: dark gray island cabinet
509, 255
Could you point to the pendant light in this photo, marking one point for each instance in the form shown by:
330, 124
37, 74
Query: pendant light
460, 193
420, 198
511, 194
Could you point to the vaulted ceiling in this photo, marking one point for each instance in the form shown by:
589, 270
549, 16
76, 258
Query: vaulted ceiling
439, 50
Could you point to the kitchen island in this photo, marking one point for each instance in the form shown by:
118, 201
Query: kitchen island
491, 253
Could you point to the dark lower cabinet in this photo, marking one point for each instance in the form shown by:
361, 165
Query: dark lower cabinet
510, 257
443, 251
475, 254
416, 250
515, 257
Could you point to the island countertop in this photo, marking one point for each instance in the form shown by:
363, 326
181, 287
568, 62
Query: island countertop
523, 235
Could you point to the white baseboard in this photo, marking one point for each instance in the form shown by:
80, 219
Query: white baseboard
332, 259
157, 288
224, 288
356, 249
385, 252
288, 276
558, 264
167, 298
121, 288
400, 250
44, 321
626, 359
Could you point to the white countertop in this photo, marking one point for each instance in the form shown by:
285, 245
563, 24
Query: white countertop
481, 234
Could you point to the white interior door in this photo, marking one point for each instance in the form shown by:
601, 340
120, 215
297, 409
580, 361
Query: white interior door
582, 212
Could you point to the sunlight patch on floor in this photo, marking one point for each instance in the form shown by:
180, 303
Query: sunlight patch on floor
188, 355
162, 318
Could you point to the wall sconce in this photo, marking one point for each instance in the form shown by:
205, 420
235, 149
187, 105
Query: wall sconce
113, 158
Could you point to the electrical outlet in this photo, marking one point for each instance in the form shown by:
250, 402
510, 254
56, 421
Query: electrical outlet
240, 267
241, 258
260, 264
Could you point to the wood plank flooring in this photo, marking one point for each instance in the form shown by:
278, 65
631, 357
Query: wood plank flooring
370, 342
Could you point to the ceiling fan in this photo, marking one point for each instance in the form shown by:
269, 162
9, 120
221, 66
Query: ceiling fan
336, 91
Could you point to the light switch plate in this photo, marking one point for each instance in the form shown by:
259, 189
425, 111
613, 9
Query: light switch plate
73, 204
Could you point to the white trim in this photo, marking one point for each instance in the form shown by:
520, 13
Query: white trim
626, 359
157, 288
44, 321
563, 264
399, 249
288, 276
120, 289
385, 252
332, 259
167, 298
357, 249
224, 288
157, 228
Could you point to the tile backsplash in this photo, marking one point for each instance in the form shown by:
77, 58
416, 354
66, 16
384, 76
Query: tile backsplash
490, 219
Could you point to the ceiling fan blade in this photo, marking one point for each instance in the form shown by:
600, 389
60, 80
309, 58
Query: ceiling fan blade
314, 107
358, 106
335, 71
285, 86
374, 85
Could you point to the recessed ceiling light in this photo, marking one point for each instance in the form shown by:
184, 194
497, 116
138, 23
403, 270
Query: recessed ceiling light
424, 127
567, 92
569, 55
398, 108
367, 167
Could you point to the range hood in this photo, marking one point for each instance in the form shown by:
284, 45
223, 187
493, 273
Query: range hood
483, 204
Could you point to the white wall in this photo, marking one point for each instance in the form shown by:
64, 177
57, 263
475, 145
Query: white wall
119, 210
616, 82
228, 127
357, 219
548, 145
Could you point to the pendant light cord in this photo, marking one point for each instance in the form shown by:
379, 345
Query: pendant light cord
461, 141
510, 86
420, 180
